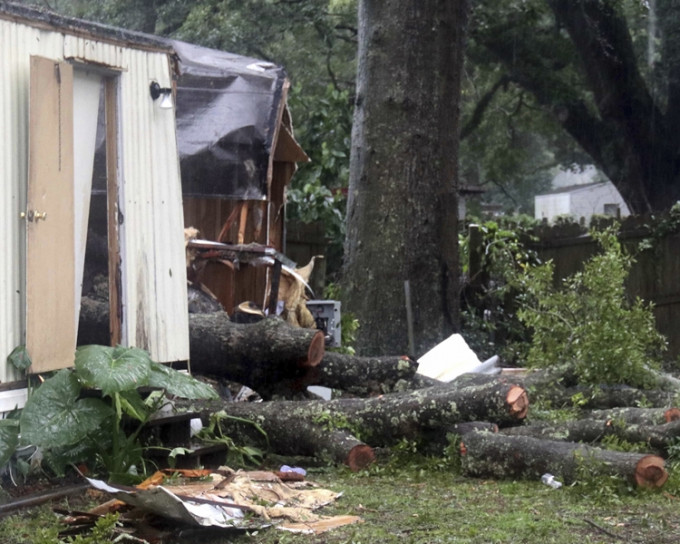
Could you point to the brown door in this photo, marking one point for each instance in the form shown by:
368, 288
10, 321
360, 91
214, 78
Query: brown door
50, 269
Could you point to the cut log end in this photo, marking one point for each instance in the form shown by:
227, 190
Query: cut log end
316, 351
360, 457
672, 414
518, 401
650, 471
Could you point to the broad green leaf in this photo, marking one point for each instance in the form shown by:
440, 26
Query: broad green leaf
133, 405
20, 358
112, 369
9, 439
179, 384
55, 417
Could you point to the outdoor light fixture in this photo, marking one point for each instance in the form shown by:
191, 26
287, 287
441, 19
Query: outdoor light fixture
164, 93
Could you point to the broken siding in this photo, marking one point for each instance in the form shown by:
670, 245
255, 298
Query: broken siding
153, 240
154, 280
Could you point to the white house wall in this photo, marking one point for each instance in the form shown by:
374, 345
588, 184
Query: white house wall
154, 280
590, 201
550, 206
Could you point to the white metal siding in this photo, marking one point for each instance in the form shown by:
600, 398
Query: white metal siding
154, 277
154, 271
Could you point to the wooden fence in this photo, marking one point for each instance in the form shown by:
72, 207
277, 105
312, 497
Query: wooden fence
654, 277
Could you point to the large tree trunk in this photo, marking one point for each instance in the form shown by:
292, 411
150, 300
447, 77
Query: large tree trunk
402, 204
259, 355
498, 456
379, 421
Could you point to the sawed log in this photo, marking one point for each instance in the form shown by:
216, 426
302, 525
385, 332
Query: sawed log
494, 455
656, 437
634, 416
377, 421
363, 376
256, 355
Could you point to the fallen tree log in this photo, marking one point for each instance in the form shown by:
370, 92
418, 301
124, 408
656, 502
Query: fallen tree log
378, 421
363, 376
657, 437
634, 415
494, 455
257, 355
297, 436
602, 396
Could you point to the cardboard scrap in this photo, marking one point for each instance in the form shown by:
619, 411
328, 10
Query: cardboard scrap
228, 499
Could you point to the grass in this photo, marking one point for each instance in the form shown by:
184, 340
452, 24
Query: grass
425, 501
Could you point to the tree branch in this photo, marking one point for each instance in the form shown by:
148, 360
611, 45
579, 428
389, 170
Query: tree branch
481, 107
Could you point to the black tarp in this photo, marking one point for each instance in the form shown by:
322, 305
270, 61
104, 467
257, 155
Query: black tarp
226, 110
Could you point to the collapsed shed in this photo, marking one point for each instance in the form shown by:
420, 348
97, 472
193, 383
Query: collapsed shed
92, 169
237, 155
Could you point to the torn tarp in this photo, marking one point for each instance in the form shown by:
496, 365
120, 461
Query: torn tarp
226, 109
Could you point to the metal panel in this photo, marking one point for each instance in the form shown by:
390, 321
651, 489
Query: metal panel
154, 274
17, 43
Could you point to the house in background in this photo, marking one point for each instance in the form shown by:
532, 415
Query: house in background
580, 202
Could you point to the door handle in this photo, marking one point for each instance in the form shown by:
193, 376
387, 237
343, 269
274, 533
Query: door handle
33, 215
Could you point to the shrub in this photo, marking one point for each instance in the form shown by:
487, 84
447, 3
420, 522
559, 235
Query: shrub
588, 321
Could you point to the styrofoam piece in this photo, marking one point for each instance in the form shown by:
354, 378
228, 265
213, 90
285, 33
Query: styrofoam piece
451, 358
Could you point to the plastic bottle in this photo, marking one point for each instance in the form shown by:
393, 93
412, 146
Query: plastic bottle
549, 479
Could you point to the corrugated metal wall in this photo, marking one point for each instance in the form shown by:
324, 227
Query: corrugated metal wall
154, 290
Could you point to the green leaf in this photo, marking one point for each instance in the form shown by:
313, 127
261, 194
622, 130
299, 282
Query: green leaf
9, 439
133, 405
179, 384
20, 358
55, 417
112, 369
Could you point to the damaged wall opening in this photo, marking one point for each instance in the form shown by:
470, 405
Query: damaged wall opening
100, 268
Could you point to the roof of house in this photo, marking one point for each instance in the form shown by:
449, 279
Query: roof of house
575, 188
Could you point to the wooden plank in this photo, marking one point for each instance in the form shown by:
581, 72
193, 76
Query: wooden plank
112, 206
50, 257
243, 222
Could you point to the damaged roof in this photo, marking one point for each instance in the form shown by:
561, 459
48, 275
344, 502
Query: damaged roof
227, 112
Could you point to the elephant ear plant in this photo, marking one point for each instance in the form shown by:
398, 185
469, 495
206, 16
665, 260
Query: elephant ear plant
69, 426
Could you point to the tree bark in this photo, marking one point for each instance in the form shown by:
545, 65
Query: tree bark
363, 376
402, 202
656, 437
635, 416
492, 455
258, 355
603, 397
384, 420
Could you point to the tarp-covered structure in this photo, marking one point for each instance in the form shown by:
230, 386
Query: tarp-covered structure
237, 155
227, 118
